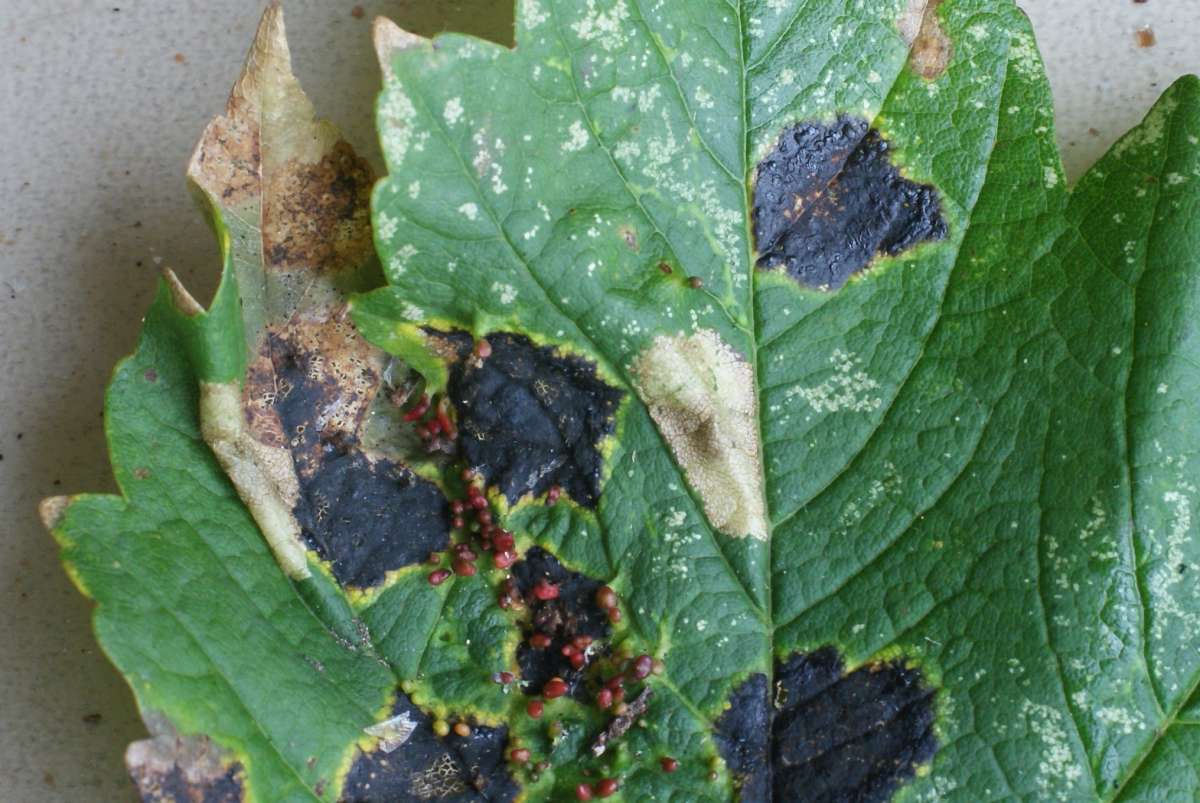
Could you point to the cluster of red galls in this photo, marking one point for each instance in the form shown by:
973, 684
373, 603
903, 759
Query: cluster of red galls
490, 538
607, 787
430, 427
501, 544
611, 695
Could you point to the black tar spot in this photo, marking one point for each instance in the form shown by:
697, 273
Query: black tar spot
366, 517
828, 198
530, 418
454, 769
833, 736
573, 613
743, 736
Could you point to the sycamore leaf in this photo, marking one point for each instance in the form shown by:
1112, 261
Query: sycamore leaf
800, 434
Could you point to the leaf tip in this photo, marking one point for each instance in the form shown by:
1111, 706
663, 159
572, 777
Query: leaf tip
183, 300
390, 38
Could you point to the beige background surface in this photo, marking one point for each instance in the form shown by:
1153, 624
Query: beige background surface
100, 108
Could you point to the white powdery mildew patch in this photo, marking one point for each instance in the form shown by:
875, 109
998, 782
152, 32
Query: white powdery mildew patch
470, 211
606, 28
453, 111
1023, 54
1164, 579
881, 494
1061, 563
1050, 175
1057, 770
412, 312
848, 389
773, 97
665, 164
1152, 130
483, 155
532, 14
577, 138
943, 786
414, 190
675, 560
647, 99
627, 151
889, 485
398, 263
505, 292
386, 227
398, 116
1125, 720
486, 163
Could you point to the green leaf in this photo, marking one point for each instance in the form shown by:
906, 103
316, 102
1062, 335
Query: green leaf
795, 339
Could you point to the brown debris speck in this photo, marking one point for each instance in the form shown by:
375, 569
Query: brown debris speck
629, 236
1145, 37
357, 12
617, 728
180, 58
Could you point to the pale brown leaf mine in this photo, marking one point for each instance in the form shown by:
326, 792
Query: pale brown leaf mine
701, 394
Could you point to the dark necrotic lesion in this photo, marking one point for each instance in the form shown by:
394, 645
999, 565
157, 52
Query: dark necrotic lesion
453, 769
833, 735
365, 516
827, 199
368, 517
531, 418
